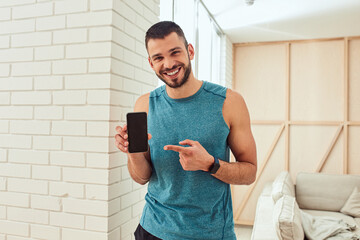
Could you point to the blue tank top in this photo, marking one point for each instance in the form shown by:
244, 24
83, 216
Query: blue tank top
183, 204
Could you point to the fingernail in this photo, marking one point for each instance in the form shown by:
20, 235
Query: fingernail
125, 136
165, 148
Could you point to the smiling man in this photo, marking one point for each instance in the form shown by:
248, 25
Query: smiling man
192, 126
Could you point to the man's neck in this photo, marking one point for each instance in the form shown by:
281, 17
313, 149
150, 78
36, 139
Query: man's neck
188, 89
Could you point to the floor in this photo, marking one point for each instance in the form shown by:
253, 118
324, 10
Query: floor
243, 232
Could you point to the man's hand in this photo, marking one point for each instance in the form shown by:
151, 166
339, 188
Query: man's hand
192, 158
121, 139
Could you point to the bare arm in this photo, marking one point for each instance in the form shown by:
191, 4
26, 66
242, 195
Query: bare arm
139, 164
241, 142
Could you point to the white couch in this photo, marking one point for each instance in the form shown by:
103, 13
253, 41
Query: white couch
316, 193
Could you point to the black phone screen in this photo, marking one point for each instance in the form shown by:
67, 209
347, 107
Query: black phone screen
137, 131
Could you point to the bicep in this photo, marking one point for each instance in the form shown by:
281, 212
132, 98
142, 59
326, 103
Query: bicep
241, 140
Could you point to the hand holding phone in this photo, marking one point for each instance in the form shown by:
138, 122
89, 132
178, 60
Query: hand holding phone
137, 132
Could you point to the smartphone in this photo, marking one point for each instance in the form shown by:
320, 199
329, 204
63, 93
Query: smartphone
137, 132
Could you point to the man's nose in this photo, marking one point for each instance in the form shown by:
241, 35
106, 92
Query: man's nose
169, 63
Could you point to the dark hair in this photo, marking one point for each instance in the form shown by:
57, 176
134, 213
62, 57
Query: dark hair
163, 29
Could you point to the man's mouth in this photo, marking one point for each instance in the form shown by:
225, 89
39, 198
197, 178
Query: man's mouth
173, 72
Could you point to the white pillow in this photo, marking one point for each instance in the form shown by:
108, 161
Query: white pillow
352, 205
287, 219
282, 185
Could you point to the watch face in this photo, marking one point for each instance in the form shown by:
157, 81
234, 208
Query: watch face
215, 167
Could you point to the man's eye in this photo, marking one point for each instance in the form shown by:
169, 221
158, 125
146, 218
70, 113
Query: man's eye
157, 58
175, 52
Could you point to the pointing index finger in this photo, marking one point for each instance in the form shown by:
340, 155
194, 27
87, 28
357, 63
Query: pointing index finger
175, 148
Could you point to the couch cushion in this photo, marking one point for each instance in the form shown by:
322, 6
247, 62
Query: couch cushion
327, 192
287, 219
263, 228
352, 205
282, 185
344, 217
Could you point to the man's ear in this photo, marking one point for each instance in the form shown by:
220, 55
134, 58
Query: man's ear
150, 62
191, 51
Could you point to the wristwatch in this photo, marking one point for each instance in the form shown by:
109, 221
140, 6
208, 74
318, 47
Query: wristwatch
215, 167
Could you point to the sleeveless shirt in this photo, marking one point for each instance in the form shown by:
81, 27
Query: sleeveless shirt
187, 204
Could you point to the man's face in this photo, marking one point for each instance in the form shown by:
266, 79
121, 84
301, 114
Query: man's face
170, 59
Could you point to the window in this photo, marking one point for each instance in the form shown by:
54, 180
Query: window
201, 31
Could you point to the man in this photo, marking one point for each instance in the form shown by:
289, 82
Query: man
192, 125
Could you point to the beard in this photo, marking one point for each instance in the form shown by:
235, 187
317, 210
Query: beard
175, 83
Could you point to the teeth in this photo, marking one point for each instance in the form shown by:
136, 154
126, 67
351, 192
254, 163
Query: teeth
172, 73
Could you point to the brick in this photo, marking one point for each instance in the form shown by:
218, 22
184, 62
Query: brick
86, 144
87, 113
150, 15
69, 6
16, 112
101, 5
48, 82
123, 69
135, 5
15, 2
71, 234
97, 129
132, 58
69, 97
4, 14
97, 192
123, 39
125, 187
45, 232
69, 128
4, 70
140, 49
50, 23
30, 127
96, 223
4, 98
122, 99
142, 23
31, 69
114, 206
91, 81
116, 114
4, 127
70, 36
69, 66
124, 10
115, 234
97, 160
16, 55
119, 218
130, 199
14, 199
143, 76
28, 156
132, 86
31, 98
67, 220
15, 141
100, 33
85, 175
31, 39
129, 227
16, 83
49, 53
15, 170
116, 82
89, 19
33, 10
117, 51
47, 142
46, 172
118, 21
2, 212
73, 159
28, 186
137, 208
17, 26
27, 215
3, 184
46, 203
88, 50
16, 228
86, 207
114, 175
100, 65
62, 189
125, 173
48, 112
4, 42
134, 31
98, 97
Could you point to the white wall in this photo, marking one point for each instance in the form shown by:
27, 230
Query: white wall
69, 73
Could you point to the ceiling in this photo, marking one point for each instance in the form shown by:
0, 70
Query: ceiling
278, 20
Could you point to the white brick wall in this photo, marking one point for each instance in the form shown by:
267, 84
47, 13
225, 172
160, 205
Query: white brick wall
69, 73
227, 62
